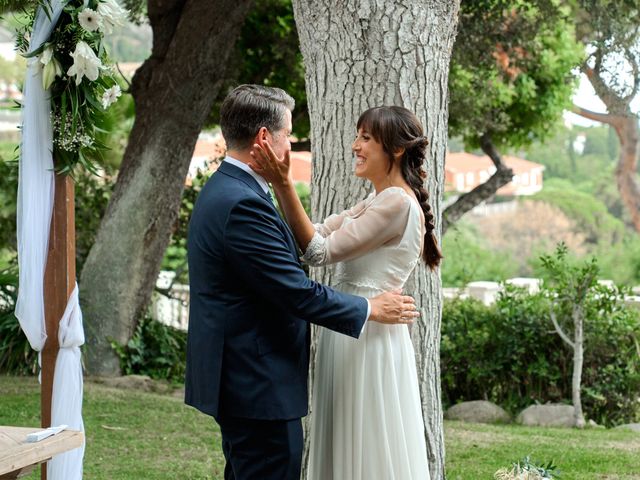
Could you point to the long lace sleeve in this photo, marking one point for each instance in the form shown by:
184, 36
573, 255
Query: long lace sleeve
379, 221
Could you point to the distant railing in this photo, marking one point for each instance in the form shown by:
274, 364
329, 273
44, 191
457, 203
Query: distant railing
487, 209
172, 308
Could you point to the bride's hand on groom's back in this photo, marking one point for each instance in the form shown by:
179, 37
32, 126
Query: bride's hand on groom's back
266, 163
393, 307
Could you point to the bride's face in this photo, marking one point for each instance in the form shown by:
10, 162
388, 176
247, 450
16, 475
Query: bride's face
372, 162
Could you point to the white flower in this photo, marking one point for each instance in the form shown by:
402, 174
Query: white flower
110, 96
112, 14
47, 54
85, 63
51, 70
90, 20
51, 67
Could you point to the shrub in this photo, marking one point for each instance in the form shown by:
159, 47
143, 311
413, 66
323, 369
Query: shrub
509, 353
156, 350
16, 355
505, 353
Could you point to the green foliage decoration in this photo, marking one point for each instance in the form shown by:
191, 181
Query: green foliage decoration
78, 75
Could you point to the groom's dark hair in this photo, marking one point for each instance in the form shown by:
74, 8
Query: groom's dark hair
250, 107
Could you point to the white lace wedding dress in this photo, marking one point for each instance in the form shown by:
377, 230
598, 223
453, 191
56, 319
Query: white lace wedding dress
366, 417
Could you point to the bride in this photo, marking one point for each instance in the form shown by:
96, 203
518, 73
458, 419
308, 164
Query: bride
366, 419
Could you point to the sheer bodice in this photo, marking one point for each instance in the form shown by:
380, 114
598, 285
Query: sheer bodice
376, 244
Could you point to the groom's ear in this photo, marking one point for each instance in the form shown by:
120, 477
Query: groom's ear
262, 136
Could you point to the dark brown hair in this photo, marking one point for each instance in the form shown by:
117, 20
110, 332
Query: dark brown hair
250, 107
397, 128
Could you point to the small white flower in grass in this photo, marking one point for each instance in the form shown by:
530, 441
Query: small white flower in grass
112, 14
85, 63
110, 96
89, 19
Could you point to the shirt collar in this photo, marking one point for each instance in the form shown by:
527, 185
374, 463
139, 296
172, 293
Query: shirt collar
243, 166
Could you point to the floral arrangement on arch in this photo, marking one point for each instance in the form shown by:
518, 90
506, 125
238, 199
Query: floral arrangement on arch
79, 76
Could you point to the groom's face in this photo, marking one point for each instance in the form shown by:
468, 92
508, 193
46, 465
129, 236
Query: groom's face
280, 139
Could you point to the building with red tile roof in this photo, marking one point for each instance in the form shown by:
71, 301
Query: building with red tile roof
465, 171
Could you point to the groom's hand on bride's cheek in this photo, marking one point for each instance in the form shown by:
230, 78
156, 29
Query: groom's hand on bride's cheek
393, 307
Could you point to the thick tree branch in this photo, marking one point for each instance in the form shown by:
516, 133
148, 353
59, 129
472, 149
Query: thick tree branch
482, 192
614, 103
595, 116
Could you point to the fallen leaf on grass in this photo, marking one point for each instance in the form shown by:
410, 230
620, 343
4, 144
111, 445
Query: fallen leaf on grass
107, 427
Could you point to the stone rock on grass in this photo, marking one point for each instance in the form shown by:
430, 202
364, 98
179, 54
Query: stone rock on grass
478, 411
552, 415
630, 426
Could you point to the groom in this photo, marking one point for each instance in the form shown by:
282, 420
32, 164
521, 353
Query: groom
248, 340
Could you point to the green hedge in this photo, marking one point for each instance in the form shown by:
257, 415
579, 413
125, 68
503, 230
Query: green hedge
509, 353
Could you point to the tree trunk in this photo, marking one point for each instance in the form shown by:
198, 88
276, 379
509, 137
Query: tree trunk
174, 91
627, 168
625, 123
578, 358
626, 127
363, 54
482, 192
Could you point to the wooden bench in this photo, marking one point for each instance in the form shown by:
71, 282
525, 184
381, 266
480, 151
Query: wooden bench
19, 458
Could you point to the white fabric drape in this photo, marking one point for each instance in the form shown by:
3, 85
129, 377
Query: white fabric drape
35, 206
66, 405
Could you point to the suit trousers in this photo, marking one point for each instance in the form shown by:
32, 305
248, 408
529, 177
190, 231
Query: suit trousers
261, 449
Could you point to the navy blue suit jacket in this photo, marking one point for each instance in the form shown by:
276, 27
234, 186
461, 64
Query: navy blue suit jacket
250, 304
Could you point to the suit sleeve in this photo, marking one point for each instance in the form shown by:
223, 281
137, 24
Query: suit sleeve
256, 246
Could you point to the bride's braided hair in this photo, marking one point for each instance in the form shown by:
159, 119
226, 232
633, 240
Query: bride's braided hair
396, 128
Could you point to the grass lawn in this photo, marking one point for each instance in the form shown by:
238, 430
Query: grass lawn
136, 435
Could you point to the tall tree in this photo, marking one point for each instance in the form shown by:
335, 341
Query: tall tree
611, 29
510, 82
174, 91
381, 53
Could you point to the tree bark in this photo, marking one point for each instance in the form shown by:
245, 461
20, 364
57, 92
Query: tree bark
174, 91
363, 54
578, 359
482, 192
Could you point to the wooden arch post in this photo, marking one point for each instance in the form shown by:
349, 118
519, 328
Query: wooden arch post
59, 282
